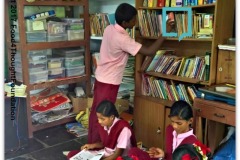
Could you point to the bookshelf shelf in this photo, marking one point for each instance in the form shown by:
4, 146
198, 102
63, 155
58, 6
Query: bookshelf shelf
57, 82
199, 6
158, 84
176, 39
173, 77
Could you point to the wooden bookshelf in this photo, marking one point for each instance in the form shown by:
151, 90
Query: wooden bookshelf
23, 46
149, 110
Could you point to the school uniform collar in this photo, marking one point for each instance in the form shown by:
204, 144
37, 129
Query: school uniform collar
183, 135
120, 28
115, 120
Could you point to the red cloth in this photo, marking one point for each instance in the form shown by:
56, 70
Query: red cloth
110, 141
72, 153
102, 91
169, 141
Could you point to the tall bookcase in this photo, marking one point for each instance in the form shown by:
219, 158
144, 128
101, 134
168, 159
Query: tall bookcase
15, 9
150, 113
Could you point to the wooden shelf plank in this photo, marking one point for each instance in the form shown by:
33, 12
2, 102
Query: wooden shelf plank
57, 82
54, 3
60, 44
199, 6
176, 39
52, 124
158, 100
174, 77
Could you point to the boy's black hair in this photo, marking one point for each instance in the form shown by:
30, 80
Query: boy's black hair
125, 12
107, 109
181, 109
189, 149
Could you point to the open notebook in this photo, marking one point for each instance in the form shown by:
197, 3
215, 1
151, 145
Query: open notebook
88, 155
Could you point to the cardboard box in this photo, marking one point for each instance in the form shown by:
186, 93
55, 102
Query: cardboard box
80, 104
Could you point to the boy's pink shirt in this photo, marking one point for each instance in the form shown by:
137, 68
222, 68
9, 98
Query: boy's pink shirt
122, 142
115, 49
177, 139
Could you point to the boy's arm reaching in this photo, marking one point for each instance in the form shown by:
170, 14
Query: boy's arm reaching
152, 49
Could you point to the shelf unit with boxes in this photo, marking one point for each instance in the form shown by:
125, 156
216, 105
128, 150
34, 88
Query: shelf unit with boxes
59, 42
151, 111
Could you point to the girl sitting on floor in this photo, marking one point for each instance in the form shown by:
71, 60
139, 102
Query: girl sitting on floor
116, 135
179, 132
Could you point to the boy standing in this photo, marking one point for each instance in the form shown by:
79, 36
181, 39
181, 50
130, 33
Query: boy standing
115, 49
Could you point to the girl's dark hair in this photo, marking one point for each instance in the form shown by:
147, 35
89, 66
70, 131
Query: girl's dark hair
107, 109
188, 149
181, 109
125, 12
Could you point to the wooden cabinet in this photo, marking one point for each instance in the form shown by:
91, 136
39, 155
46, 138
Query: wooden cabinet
223, 11
226, 65
16, 9
217, 114
149, 126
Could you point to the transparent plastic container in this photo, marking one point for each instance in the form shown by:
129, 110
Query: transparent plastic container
75, 71
55, 73
34, 77
55, 63
57, 37
75, 34
36, 36
69, 52
74, 61
56, 27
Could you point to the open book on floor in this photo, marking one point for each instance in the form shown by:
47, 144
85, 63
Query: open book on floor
88, 155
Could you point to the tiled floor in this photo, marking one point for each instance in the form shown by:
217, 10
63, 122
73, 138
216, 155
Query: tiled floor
47, 144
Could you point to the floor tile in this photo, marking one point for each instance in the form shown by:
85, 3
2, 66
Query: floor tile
56, 152
55, 135
32, 145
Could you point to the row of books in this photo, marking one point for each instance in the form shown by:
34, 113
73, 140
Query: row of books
203, 25
98, 22
175, 3
166, 62
150, 23
168, 90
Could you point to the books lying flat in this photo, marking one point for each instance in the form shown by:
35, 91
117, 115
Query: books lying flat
88, 155
222, 90
227, 47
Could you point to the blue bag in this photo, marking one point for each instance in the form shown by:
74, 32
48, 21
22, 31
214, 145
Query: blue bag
228, 151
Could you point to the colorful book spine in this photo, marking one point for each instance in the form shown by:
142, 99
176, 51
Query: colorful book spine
207, 65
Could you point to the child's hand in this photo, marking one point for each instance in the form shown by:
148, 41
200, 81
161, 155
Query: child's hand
87, 147
170, 26
156, 152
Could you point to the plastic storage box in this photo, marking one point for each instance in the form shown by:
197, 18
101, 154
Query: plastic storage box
36, 36
55, 63
69, 52
74, 61
73, 20
35, 77
57, 37
36, 25
75, 71
75, 34
37, 55
56, 27
55, 73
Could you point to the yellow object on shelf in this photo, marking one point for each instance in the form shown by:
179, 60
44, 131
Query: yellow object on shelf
15, 90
